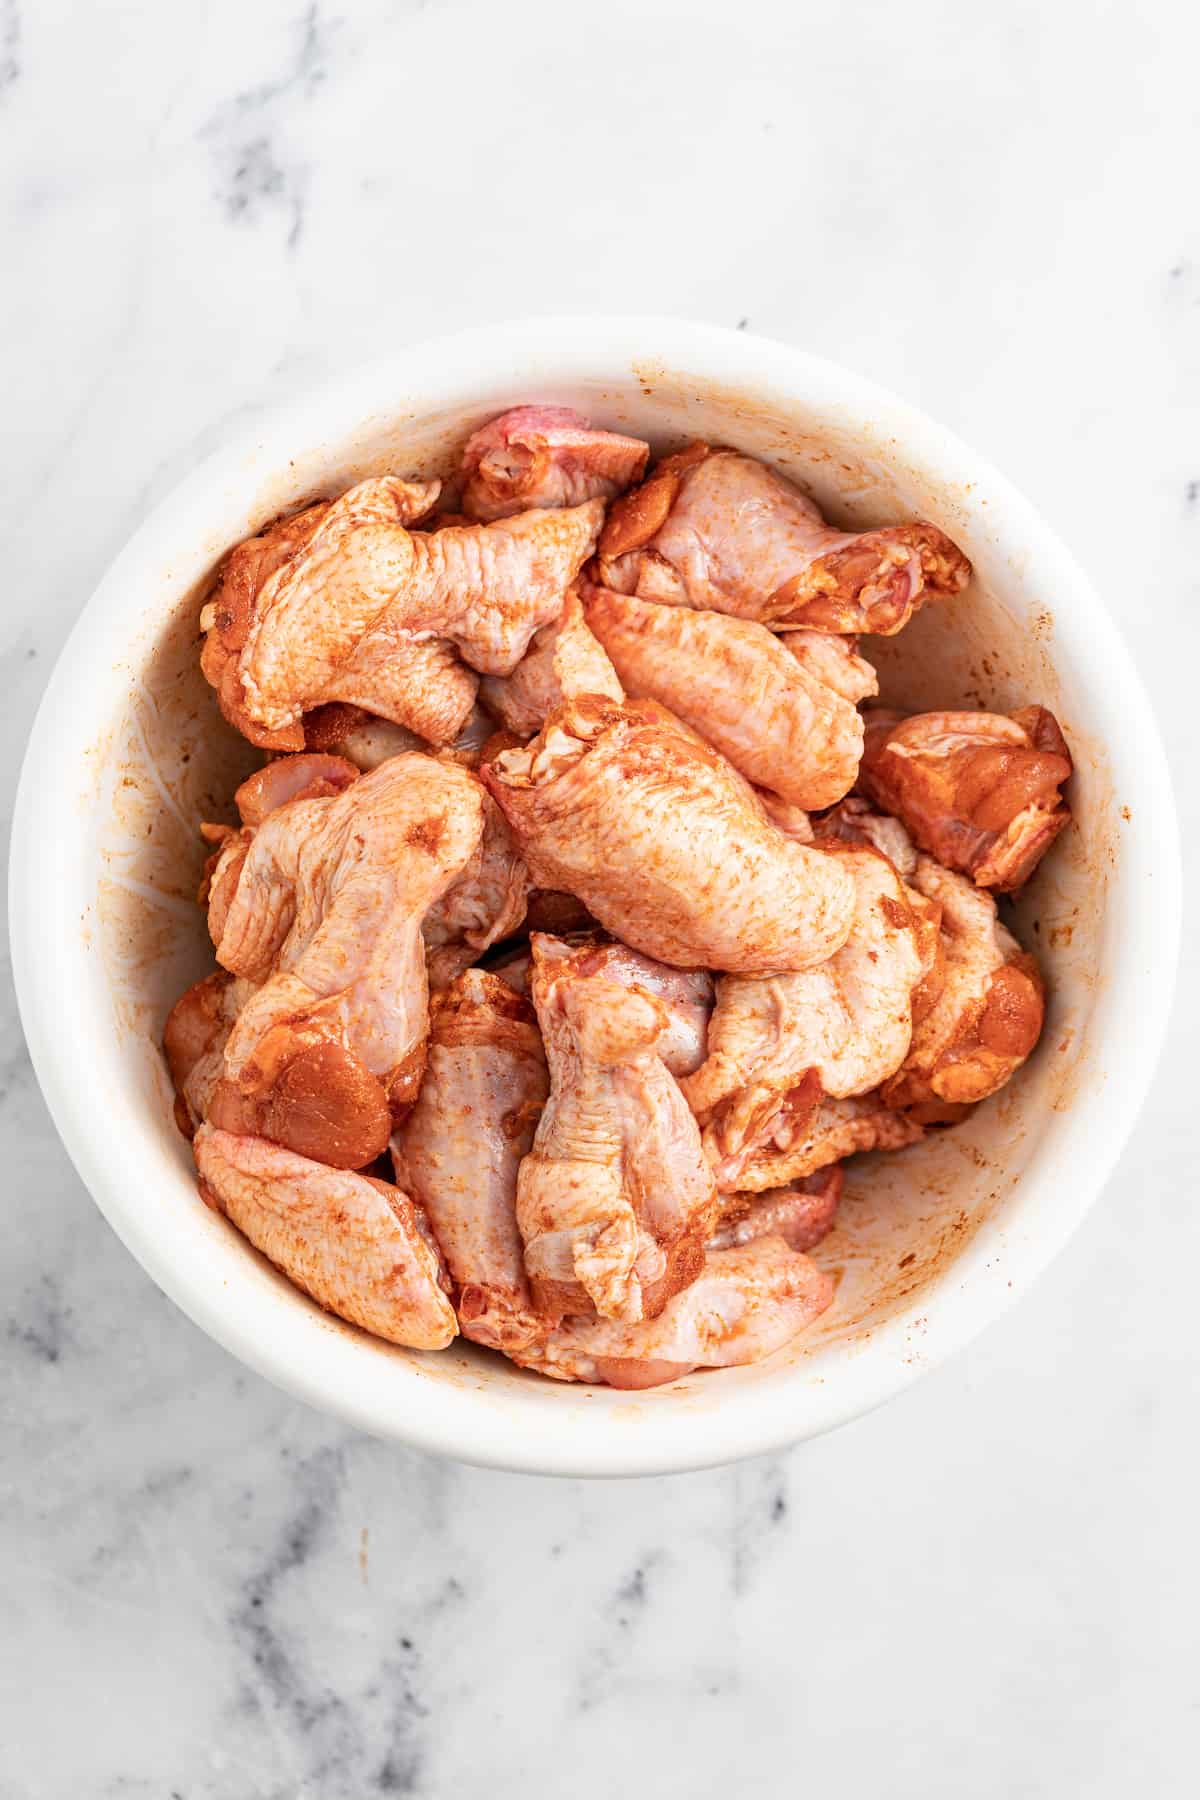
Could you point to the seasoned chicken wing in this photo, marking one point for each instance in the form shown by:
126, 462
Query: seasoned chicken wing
323, 906
615, 1201
666, 845
748, 1301
484, 903
801, 1214
712, 528
563, 662
358, 1246
354, 608
799, 1145
978, 791
545, 456
847, 1023
459, 1149
987, 1015
735, 683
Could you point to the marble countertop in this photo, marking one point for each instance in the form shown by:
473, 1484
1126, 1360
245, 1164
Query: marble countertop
989, 1587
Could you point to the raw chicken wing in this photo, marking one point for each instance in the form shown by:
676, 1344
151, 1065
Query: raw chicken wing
748, 1301
665, 843
712, 528
323, 906
486, 587
545, 456
987, 1015
977, 790
847, 1023
735, 683
358, 1246
458, 1151
615, 1200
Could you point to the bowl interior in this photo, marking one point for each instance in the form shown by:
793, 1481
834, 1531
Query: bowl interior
917, 1229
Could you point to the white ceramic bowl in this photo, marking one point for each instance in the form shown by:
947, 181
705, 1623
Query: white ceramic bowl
128, 754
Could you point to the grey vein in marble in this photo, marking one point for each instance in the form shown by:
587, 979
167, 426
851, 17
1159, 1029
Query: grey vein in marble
257, 177
10, 43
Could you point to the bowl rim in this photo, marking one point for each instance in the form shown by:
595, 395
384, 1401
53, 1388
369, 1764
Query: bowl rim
50, 963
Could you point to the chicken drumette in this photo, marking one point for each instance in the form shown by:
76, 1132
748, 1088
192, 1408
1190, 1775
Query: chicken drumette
460, 1147
545, 456
838, 1029
615, 1201
740, 687
321, 907
978, 791
712, 528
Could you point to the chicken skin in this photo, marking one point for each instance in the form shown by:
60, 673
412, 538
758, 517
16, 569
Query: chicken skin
357, 1246
839, 1029
545, 456
737, 684
459, 1149
987, 1015
361, 608
323, 906
978, 791
714, 529
615, 1201
747, 1302
802, 1214
666, 845
798, 1146
564, 661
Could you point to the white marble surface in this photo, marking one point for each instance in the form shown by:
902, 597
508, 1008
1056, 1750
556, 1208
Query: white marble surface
989, 1588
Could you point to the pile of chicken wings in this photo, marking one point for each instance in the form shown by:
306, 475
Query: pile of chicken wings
584, 915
